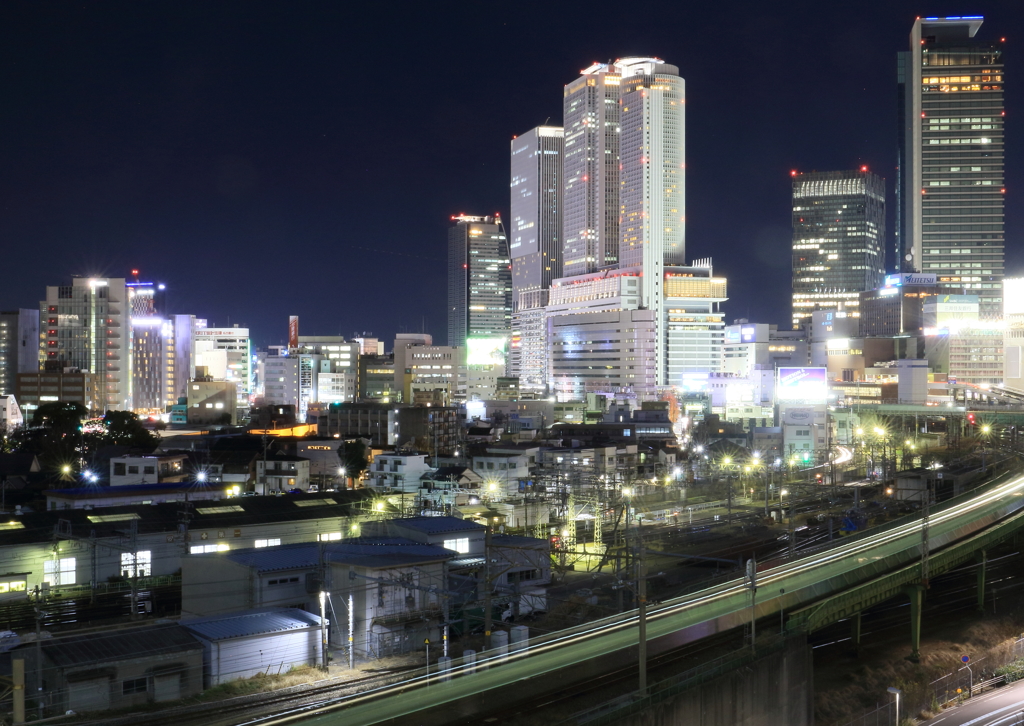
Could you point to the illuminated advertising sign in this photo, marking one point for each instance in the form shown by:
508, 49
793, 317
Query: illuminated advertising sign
485, 351
808, 385
748, 333
910, 278
293, 331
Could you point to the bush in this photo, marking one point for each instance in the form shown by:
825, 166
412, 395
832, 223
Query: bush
1012, 671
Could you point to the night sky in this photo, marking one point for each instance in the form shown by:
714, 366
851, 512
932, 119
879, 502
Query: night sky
273, 159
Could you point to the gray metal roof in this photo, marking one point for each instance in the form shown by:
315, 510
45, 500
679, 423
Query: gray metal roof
251, 623
272, 559
437, 525
154, 641
360, 552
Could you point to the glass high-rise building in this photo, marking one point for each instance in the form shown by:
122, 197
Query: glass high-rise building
652, 207
951, 154
838, 239
535, 244
590, 108
479, 279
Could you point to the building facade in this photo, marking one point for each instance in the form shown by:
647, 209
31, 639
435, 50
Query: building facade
652, 158
590, 108
535, 245
479, 279
951, 155
227, 355
838, 239
19, 346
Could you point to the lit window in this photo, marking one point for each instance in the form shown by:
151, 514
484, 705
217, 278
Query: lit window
460, 545
274, 542
145, 564
203, 549
329, 536
59, 572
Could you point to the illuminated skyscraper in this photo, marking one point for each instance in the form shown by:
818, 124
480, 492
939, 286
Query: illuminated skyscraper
87, 326
651, 196
950, 183
479, 279
535, 245
838, 238
153, 385
590, 109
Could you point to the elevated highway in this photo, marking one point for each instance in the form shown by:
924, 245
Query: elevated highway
850, 574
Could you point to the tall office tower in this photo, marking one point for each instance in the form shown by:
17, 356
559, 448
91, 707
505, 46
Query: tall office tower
479, 280
838, 239
88, 327
19, 347
950, 184
590, 109
535, 247
153, 361
651, 189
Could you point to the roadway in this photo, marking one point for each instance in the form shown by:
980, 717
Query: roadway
1000, 707
690, 617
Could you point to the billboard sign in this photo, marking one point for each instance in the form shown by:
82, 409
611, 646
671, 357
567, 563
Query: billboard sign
485, 351
909, 278
806, 385
293, 331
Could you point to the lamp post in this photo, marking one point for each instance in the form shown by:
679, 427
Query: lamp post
898, 693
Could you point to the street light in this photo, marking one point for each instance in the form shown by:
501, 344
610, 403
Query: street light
898, 693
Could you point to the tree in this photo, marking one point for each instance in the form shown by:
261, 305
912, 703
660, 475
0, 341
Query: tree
125, 429
353, 458
63, 417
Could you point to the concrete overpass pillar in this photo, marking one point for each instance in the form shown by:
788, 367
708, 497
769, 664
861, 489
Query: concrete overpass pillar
982, 567
916, 595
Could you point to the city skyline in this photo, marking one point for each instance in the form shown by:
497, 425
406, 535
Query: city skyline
170, 178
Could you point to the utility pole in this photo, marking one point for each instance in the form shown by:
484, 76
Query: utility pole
924, 534
487, 589
752, 581
642, 595
39, 654
323, 608
135, 569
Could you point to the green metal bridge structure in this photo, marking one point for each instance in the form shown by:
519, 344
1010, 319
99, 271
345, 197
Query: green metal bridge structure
816, 589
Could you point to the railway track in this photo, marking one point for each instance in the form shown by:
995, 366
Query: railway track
247, 708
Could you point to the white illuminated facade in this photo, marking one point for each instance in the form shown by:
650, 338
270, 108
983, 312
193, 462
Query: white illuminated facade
87, 325
227, 355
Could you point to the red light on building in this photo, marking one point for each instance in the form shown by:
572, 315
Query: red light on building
864, 168
792, 172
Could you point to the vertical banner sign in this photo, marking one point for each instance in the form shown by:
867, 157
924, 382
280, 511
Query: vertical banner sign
293, 331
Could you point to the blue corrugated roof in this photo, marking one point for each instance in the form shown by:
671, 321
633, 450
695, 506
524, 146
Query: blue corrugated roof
384, 552
252, 623
271, 559
437, 525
